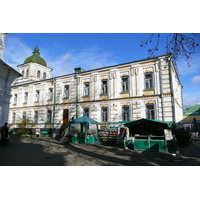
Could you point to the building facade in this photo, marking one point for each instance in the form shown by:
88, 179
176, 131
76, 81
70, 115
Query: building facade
7, 76
148, 88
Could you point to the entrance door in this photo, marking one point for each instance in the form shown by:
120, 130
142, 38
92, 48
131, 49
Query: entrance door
65, 115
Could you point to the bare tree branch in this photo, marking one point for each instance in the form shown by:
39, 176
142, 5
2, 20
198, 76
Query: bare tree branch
180, 44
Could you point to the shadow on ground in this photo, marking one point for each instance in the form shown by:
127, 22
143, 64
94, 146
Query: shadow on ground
28, 152
47, 151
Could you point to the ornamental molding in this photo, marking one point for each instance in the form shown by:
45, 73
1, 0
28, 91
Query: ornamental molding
148, 67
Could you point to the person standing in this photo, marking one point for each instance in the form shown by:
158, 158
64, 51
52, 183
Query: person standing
4, 134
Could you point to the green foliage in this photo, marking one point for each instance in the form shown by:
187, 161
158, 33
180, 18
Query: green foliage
63, 129
182, 136
25, 127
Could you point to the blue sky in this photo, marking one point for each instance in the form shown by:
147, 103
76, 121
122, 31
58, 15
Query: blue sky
65, 51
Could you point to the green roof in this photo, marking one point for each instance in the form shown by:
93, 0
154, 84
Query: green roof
193, 111
35, 58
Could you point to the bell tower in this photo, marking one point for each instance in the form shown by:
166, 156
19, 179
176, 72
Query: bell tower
34, 68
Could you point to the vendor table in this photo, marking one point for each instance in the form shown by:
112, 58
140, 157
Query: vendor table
150, 143
83, 139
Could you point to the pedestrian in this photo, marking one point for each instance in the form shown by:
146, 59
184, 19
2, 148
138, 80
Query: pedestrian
4, 134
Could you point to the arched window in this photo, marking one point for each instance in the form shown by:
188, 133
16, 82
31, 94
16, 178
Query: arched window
27, 72
38, 74
23, 72
44, 75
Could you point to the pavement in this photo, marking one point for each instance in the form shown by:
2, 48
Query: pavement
47, 151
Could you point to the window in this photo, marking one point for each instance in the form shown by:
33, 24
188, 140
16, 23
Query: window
148, 80
38, 73
49, 115
125, 84
13, 117
50, 94
104, 87
27, 73
44, 75
86, 89
66, 92
25, 97
23, 72
35, 116
24, 115
104, 114
86, 112
125, 113
15, 99
37, 95
150, 113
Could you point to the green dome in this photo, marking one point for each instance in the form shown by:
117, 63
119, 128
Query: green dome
35, 58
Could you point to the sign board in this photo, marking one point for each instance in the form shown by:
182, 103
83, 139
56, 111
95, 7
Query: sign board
168, 134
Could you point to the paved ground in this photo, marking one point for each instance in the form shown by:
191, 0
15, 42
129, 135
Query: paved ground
46, 151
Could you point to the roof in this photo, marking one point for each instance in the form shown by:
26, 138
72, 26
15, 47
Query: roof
9, 67
35, 58
144, 123
83, 120
190, 122
193, 111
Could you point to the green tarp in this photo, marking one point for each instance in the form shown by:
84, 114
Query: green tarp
146, 122
147, 125
85, 121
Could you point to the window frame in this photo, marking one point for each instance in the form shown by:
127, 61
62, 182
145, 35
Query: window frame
36, 118
25, 97
66, 92
125, 84
38, 73
148, 82
49, 116
150, 111
104, 86
86, 89
104, 114
50, 94
125, 113
13, 117
37, 95
87, 114
15, 99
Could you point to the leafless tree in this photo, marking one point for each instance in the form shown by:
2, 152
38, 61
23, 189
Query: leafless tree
180, 44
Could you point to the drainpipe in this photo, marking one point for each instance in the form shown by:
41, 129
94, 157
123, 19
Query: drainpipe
171, 88
76, 77
161, 92
54, 102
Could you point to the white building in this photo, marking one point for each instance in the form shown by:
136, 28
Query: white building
148, 88
7, 76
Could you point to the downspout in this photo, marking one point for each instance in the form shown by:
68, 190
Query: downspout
76, 77
161, 93
171, 88
54, 102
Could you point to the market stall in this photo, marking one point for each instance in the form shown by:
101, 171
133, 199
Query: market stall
151, 135
84, 134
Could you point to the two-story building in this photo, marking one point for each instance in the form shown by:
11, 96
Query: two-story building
148, 88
